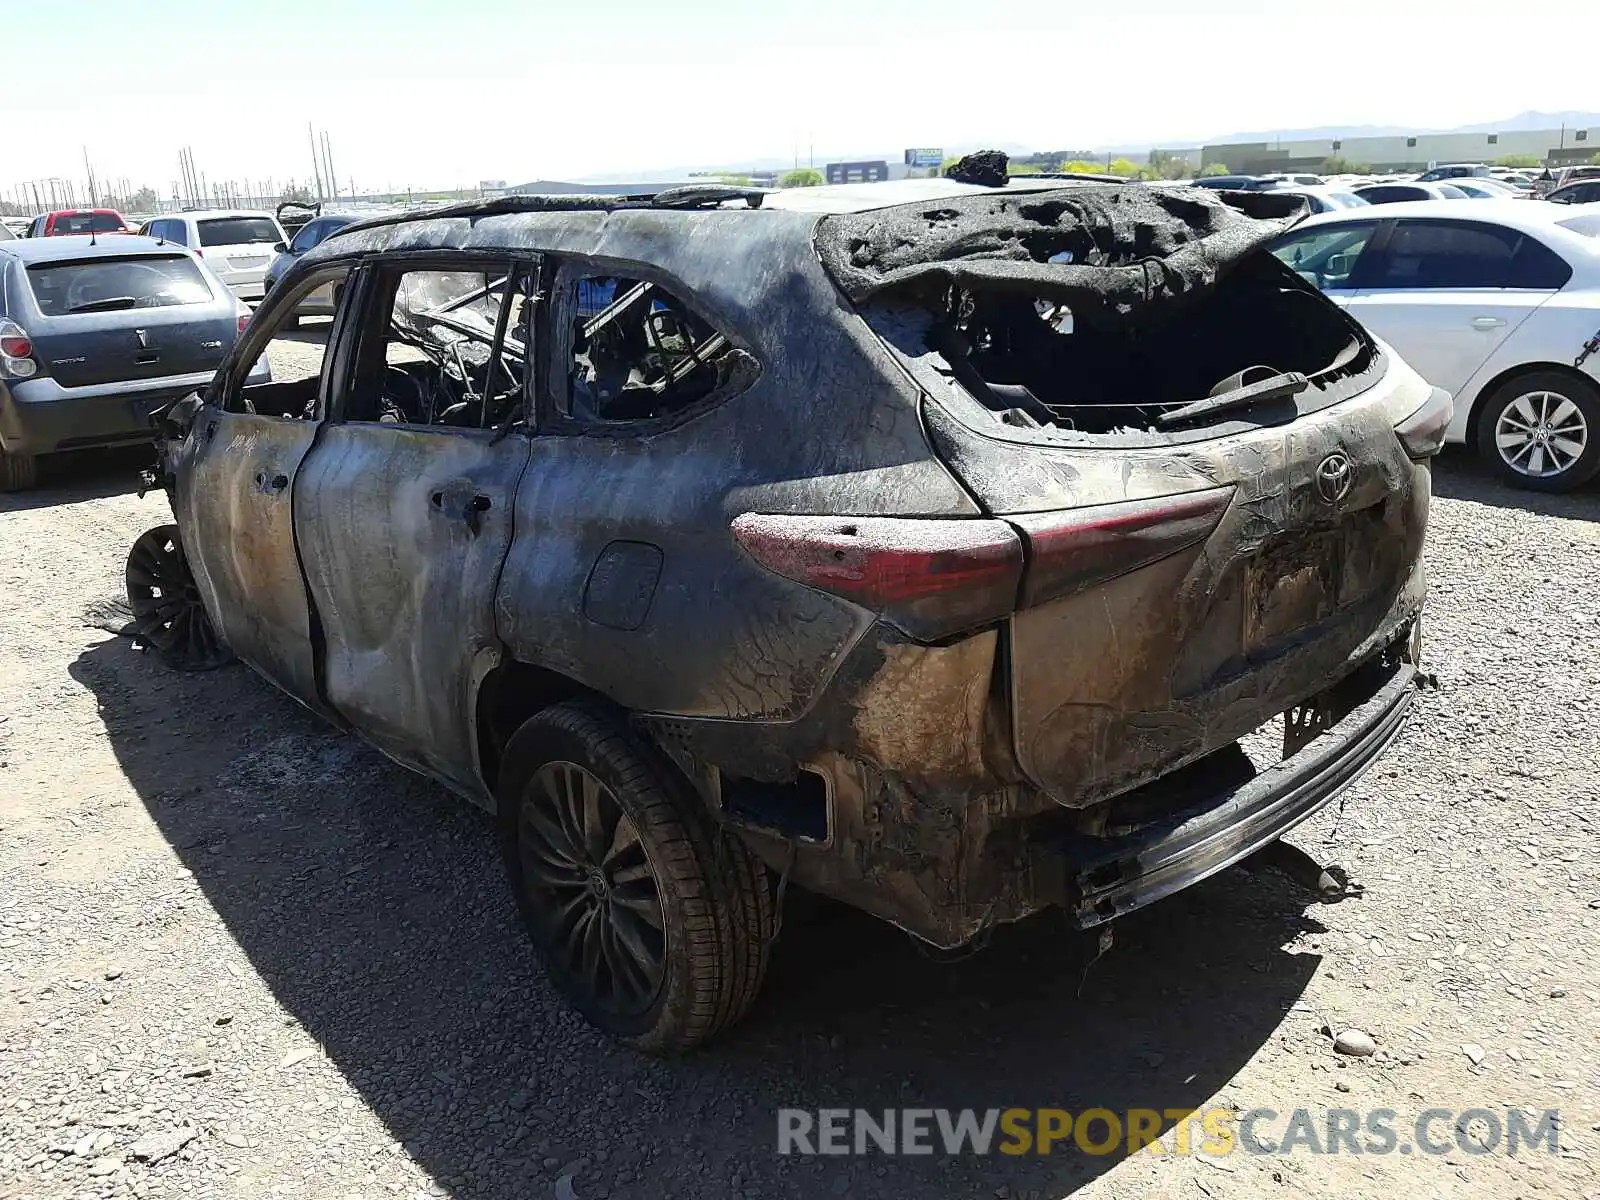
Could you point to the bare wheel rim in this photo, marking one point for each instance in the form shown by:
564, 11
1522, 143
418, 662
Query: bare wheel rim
167, 612
1540, 434
592, 887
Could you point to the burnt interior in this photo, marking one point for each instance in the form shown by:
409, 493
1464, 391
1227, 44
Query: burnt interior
1027, 354
1100, 309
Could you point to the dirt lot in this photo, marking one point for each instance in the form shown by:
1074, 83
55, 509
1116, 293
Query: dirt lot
246, 947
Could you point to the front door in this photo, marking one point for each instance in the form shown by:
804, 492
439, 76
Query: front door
403, 509
242, 457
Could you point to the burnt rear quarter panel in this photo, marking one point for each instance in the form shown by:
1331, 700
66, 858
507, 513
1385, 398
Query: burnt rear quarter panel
829, 426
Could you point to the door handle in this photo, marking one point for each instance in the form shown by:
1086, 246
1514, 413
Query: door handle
1487, 322
471, 511
272, 484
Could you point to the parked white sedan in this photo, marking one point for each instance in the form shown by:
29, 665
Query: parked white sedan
1497, 302
237, 244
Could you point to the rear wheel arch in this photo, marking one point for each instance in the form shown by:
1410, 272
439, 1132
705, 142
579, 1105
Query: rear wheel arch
507, 697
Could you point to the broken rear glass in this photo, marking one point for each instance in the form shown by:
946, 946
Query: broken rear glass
1099, 310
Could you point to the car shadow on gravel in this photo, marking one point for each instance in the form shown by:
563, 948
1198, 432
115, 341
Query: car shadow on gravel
373, 906
1459, 474
82, 475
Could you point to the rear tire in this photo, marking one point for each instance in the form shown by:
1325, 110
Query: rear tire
1541, 431
18, 472
596, 829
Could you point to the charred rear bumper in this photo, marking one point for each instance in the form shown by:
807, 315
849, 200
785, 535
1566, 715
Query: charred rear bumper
1100, 879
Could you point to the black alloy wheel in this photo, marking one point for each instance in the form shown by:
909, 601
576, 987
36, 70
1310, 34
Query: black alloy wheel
594, 888
168, 615
653, 920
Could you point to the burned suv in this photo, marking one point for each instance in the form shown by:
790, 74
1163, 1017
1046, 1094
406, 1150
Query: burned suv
930, 546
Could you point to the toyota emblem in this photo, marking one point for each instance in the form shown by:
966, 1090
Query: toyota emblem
1335, 474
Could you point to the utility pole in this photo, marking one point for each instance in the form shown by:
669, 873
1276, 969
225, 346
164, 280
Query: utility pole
316, 165
94, 192
327, 158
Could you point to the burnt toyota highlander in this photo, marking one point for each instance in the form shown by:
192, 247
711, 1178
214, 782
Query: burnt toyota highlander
928, 545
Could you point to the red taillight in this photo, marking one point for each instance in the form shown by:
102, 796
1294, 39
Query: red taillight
1071, 550
930, 578
935, 578
15, 346
244, 320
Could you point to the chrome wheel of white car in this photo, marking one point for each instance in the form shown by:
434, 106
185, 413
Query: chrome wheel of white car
1542, 431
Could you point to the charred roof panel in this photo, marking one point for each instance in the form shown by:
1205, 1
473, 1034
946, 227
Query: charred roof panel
1107, 251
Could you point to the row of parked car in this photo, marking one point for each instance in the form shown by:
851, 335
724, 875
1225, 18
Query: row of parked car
1487, 300
102, 324
1457, 181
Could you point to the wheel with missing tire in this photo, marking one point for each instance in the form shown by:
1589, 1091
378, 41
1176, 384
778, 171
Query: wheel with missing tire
168, 615
650, 918
1542, 431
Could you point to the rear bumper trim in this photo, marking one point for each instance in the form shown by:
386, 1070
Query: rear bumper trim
1109, 877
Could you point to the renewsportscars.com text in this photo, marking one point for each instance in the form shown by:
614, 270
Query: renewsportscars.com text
1211, 1131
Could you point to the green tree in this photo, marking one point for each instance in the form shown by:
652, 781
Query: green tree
1024, 169
1166, 165
1343, 166
734, 180
1081, 166
143, 201
1215, 168
1594, 159
1519, 160
804, 177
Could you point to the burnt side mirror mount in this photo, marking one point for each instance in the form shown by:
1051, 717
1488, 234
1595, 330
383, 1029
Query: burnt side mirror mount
175, 420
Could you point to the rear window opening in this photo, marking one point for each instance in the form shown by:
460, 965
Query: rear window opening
1032, 363
238, 231
108, 284
1096, 311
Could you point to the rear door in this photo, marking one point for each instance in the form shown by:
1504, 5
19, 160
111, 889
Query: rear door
403, 510
109, 319
1445, 294
235, 482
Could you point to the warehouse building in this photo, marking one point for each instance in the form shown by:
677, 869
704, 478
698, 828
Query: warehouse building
1555, 147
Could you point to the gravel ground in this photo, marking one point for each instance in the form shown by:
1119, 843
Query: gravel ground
243, 955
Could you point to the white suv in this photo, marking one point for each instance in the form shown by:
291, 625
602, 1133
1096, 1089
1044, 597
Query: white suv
237, 244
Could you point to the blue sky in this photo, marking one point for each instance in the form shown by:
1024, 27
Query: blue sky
447, 93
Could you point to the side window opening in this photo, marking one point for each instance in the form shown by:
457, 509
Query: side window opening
446, 348
285, 376
640, 353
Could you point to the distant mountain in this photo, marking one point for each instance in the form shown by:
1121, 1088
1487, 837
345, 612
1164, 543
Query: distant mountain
1534, 120
820, 157
1137, 150
1321, 133
1317, 133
